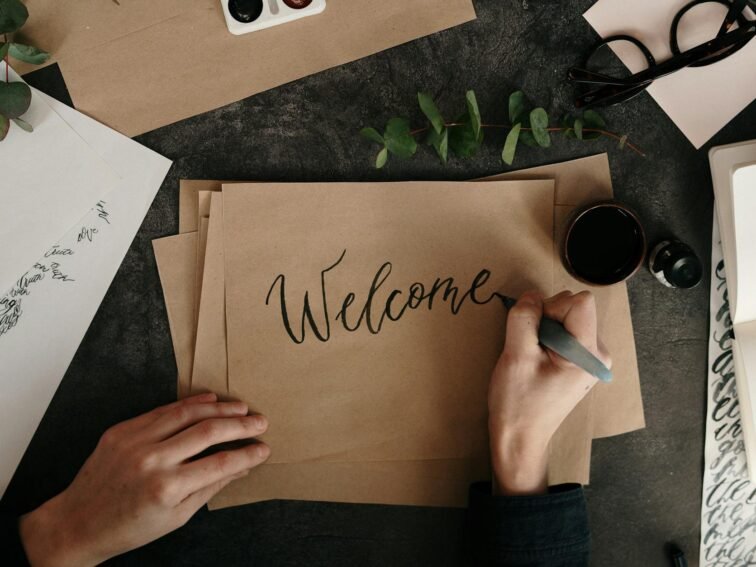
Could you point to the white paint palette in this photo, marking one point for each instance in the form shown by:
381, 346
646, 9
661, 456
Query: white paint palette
245, 16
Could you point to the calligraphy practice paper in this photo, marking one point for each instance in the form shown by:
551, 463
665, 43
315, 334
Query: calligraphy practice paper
99, 44
728, 508
50, 181
379, 301
46, 313
701, 116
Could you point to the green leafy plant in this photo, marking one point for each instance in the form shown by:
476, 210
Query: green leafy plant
464, 135
15, 97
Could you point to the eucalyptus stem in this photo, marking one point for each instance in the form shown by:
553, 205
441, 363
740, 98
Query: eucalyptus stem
463, 136
607, 133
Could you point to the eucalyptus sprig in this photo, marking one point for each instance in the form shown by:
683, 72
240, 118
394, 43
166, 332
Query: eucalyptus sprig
15, 97
464, 135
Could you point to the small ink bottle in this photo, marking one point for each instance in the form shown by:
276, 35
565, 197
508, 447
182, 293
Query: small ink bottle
675, 264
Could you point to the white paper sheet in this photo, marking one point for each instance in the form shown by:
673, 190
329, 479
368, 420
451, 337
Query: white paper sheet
44, 317
728, 509
699, 100
723, 160
48, 181
744, 207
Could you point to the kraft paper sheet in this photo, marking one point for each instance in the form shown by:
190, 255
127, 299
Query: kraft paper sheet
368, 384
137, 65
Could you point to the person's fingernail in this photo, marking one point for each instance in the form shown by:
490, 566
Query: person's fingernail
263, 451
529, 298
260, 422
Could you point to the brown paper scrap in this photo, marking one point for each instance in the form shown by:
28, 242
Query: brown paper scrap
209, 372
141, 64
176, 260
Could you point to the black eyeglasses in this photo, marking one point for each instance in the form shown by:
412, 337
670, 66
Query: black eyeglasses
603, 84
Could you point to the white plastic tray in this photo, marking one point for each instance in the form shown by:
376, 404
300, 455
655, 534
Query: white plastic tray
274, 12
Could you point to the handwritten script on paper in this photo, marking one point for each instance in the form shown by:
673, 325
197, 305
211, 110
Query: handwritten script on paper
392, 308
51, 267
728, 509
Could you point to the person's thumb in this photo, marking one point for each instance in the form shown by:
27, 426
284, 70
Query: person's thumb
522, 326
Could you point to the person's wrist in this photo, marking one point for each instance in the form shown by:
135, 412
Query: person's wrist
49, 538
519, 459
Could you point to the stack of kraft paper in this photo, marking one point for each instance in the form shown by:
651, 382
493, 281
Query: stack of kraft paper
362, 320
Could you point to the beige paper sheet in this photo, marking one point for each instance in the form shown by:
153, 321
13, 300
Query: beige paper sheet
200, 253
210, 371
176, 258
421, 483
617, 408
427, 400
137, 65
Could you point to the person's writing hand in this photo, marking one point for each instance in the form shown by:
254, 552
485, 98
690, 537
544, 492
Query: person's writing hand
532, 389
144, 480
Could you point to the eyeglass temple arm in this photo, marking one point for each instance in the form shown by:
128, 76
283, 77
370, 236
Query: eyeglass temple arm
737, 7
578, 75
645, 78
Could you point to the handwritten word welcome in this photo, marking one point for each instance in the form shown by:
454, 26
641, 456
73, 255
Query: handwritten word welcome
373, 313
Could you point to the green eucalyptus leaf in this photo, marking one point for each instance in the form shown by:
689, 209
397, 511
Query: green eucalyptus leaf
568, 126
398, 139
431, 111
4, 48
510, 145
539, 122
4, 127
516, 106
381, 158
440, 143
527, 138
578, 127
23, 124
474, 112
372, 135
462, 139
13, 15
592, 120
28, 53
15, 99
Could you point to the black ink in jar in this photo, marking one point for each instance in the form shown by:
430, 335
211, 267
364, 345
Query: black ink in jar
604, 243
675, 264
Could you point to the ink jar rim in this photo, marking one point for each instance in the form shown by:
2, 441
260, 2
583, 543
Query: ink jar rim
641, 245
294, 6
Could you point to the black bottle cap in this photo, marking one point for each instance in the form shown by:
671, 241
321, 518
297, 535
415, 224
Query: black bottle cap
682, 268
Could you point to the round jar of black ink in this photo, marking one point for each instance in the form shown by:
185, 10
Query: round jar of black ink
245, 11
604, 243
675, 264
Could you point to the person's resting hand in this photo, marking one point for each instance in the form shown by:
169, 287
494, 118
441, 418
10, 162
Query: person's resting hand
143, 481
532, 389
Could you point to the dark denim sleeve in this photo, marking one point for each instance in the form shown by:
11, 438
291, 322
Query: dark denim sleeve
12, 551
528, 531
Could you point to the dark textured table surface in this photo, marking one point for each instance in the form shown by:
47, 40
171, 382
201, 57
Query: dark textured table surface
645, 486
